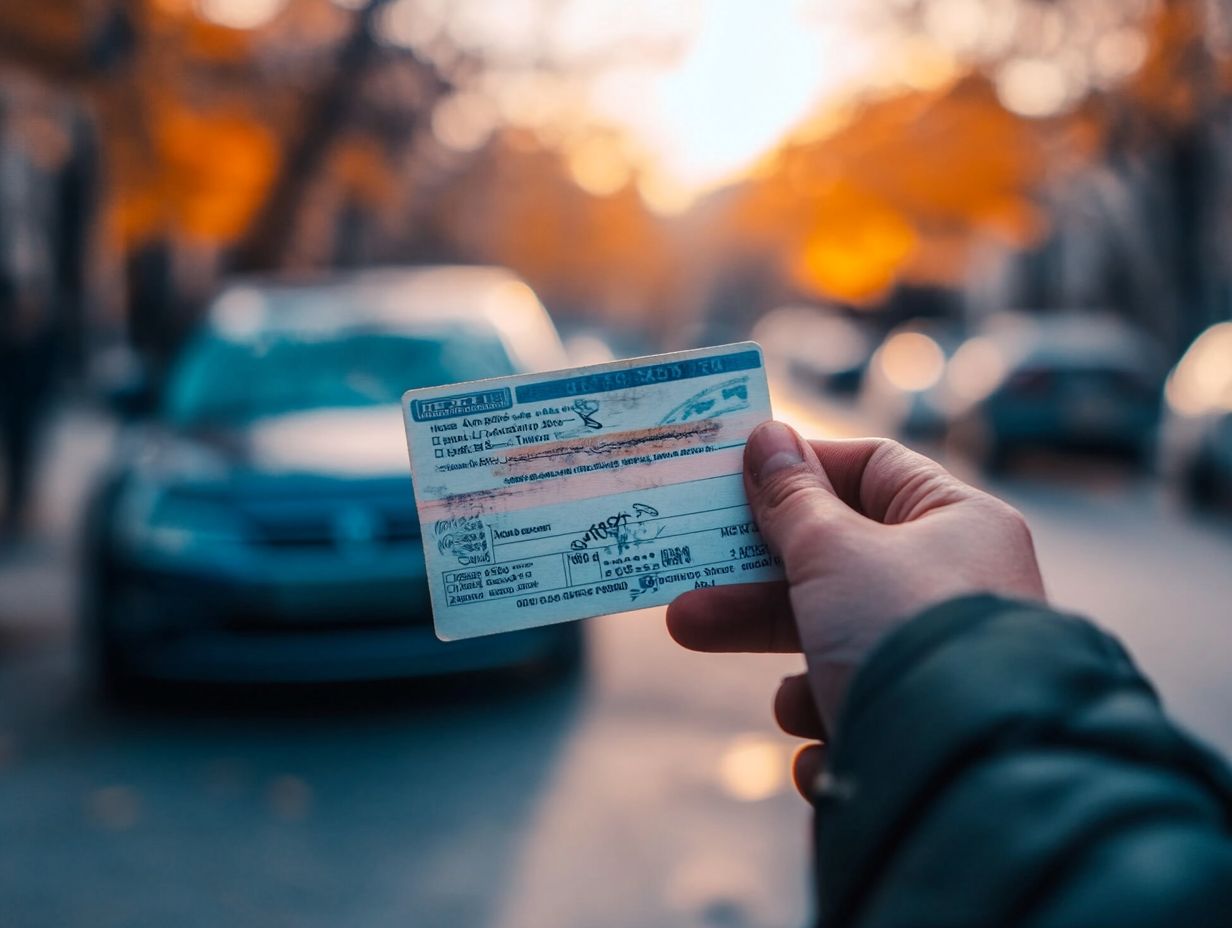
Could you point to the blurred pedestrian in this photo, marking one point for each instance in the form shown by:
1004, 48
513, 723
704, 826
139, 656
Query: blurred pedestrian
979, 758
26, 358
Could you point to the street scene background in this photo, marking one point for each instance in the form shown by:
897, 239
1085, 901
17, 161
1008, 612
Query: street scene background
995, 230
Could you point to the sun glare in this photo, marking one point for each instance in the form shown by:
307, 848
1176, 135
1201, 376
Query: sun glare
702, 89
751, 72
745, 75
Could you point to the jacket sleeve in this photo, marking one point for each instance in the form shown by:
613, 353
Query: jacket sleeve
997, 763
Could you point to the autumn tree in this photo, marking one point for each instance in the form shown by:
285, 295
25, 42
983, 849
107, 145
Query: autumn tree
1146, 83
215, 140
605, 257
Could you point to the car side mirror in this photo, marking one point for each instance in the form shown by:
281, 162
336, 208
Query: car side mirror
126, 385
133, 401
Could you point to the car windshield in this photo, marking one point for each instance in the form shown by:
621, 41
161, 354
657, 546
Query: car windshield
220, 380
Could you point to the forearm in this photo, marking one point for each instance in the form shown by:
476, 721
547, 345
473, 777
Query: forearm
987, 753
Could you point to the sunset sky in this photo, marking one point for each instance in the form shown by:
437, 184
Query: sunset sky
689, 94
699, 89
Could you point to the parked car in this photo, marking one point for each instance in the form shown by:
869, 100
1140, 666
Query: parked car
260, 525
903, 391
818, 349
1196, 436
1076, 381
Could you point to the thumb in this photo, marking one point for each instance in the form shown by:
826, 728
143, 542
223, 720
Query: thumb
791, 496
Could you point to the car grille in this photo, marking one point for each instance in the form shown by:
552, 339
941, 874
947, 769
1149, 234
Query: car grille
337, 527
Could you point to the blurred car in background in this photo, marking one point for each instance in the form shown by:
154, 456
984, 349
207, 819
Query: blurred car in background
1196, 435
819, 349
1063, 381
260, 525
903, 391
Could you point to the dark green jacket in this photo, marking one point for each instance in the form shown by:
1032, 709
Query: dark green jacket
1000, 764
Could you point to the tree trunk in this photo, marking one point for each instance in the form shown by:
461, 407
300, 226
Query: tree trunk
265, 244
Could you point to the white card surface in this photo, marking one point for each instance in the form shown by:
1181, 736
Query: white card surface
549, 497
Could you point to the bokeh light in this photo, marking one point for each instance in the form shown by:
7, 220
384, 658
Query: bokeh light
753, 768
404, 23
911, 361
1034, 87
1118, 55
464, 121
598, 166
240, 14
976, 369
1202, 381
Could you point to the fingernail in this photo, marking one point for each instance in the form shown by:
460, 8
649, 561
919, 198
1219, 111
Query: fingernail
772, 447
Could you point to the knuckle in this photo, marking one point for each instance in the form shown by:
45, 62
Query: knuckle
885, 452
788, 491
1019, 525
893, 452
892, 447
1011, 516
1014, 522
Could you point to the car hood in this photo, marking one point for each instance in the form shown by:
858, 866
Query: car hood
333, 442
330, 443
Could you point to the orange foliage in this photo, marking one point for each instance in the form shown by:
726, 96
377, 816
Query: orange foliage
362, 171
215, 43
857, 245
517, 205
1171, 82
191, 120
900, 192
59, 27
218, 164
196, 174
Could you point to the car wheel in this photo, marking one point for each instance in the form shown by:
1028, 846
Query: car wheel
98, 606
111, 674
104, 652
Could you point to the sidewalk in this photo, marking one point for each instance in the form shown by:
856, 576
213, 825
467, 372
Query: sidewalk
38, 582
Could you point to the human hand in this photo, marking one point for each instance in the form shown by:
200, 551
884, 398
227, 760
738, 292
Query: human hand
870, 535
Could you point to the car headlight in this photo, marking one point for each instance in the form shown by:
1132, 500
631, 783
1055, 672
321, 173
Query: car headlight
1201, 383
175, 523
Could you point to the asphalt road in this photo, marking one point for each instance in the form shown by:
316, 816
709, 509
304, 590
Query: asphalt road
652, 791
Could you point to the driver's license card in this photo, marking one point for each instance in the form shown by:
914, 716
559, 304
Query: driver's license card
550, 497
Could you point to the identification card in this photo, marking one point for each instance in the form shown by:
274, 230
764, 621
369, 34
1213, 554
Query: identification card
549, 497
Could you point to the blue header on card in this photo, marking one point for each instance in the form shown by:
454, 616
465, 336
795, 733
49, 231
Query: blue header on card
461, 404
686, 369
